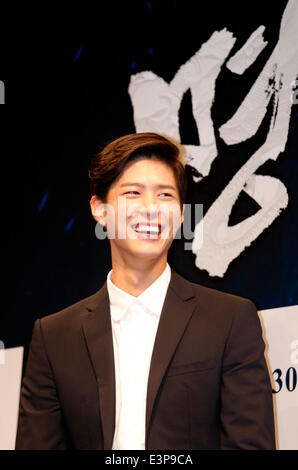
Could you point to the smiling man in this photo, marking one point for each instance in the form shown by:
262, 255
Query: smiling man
145, 199
151, 360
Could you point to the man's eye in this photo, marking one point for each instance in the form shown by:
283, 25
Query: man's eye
166, 194
130, 192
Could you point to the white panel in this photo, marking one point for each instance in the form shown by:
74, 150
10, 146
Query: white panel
10, 379
280, 327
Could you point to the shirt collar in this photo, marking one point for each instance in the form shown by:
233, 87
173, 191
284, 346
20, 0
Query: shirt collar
151, 298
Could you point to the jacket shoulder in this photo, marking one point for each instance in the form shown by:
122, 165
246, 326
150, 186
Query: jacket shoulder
221, 295
213, 296
73, 311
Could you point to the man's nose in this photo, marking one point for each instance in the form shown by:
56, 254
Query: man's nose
150, 206
148, 199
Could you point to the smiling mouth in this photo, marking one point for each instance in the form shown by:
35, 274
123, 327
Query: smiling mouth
147, 231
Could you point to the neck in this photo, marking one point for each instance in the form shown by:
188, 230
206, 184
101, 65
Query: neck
135, 278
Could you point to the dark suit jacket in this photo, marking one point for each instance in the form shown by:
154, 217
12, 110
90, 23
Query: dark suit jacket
208, 385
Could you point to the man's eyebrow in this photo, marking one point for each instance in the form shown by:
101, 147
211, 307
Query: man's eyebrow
158, 186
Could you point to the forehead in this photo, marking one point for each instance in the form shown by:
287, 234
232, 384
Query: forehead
148, 169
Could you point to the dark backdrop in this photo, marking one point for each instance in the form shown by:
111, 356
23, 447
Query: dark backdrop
66, 97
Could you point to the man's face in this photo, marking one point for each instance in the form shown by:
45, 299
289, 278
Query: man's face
144, 210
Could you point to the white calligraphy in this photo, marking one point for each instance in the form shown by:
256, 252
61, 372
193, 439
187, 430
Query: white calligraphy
156, 106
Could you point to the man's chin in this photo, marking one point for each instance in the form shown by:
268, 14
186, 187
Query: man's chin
142, 248
147, 250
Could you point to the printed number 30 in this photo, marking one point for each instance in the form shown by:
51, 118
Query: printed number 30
291, 379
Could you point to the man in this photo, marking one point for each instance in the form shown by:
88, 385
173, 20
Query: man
151, 360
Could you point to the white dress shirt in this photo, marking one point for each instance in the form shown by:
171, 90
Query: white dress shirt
134, 325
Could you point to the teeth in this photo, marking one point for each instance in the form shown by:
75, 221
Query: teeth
146, 228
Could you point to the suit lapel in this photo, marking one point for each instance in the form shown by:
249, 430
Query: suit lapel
97, 329
177, 310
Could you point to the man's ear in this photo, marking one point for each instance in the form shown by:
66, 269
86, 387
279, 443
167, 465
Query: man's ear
98, 209
182, 214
